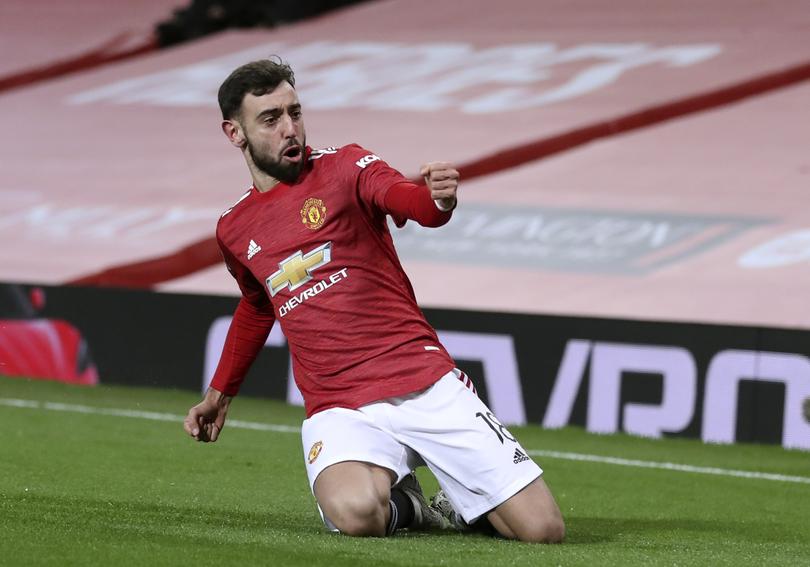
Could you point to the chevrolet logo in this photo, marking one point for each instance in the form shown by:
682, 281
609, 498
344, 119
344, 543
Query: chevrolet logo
297, 270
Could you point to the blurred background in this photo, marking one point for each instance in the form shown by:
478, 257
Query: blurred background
634, 227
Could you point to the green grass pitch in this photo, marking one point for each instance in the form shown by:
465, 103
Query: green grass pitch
98, 489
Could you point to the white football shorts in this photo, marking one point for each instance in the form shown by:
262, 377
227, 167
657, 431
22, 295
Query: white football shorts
477, 462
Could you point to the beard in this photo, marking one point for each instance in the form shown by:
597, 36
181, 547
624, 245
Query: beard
276, 168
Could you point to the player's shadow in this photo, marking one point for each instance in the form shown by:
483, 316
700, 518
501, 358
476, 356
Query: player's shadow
584, 530
588, 530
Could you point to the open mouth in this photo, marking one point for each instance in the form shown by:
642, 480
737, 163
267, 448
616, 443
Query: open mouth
293, 153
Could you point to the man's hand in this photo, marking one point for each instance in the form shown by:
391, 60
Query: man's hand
205, 420
442, 180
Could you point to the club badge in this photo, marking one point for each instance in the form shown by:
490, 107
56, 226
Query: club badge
313, 213
315, 451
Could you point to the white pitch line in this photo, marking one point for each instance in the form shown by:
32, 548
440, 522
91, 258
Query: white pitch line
669, 466
255, 426
151, 415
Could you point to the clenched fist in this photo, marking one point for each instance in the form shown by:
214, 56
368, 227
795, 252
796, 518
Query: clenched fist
442, 180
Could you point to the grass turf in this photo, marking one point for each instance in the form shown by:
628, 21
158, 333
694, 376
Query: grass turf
88, 489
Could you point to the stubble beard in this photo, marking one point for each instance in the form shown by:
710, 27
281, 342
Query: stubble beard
277, 169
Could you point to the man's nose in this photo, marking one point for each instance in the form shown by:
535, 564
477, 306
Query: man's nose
288, 126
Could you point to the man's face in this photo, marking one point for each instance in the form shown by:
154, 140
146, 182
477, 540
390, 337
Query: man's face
274, 132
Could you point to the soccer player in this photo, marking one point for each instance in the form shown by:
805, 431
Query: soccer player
309, 247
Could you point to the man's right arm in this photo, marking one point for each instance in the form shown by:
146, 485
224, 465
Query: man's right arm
250, 326
246, 337
247, 334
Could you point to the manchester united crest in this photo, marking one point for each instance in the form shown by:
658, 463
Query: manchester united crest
315, 451
313, 213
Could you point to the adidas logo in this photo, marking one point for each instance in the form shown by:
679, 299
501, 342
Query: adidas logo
253, 249
520, 456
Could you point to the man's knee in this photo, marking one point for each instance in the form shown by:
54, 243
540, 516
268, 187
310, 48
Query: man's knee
531, 528
356, 514
531, 515
354, 498
542, 530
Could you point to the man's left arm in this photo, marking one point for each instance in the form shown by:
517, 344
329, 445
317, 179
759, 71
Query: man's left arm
431, 204
388, 191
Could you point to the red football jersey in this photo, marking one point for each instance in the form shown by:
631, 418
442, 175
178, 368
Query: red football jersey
317, 256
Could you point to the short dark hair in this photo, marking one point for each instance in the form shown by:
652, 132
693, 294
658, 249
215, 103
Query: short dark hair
257, 78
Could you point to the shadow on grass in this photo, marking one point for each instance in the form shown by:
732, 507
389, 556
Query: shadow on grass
586, 530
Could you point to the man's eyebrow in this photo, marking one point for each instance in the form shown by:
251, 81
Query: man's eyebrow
277, 111
268, 112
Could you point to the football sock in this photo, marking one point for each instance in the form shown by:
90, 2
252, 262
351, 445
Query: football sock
401, 511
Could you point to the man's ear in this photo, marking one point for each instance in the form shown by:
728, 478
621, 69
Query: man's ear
233, 131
